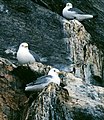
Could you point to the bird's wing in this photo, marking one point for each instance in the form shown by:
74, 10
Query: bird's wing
76, 10
40, 80
36, 56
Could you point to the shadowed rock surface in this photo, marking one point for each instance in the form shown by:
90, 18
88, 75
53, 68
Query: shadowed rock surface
12, 97
95, 7
76, 100
63, 44
88, 60
41, 28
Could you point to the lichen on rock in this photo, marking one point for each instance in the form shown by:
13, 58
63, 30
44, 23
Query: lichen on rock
87, 58
66, 45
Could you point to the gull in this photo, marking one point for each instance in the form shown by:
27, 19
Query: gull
43, 81
74, 13
24, 56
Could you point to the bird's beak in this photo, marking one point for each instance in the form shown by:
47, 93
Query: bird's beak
60, 72
26, 46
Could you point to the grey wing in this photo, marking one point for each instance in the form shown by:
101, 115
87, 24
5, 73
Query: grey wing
40, 80
76, 10
36, 56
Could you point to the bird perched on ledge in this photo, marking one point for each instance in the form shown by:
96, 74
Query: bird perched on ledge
74, 13
24, 56
43, 81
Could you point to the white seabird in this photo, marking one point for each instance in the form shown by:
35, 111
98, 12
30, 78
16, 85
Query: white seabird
43, 81
23, 54
74, 13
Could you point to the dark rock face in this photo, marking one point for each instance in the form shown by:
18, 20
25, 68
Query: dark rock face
49, 105
55, 6
40, 28
95, 26
88, 60
60, 43
11, 97
77, 100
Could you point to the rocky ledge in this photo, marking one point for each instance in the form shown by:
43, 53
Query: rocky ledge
74, 99
60, 43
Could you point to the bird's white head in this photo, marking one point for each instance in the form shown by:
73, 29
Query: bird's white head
54, 72
23, 45
69, 5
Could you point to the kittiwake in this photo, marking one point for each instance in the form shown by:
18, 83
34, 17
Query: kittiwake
24, 56
74, 13
43, 81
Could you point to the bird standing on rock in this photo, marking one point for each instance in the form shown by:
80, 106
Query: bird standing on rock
23, 54
43, 81
74, 13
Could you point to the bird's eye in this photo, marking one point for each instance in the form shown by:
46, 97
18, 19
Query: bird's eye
54, 70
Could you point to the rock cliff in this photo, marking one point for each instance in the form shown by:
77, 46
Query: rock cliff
59, 43
75, 100
94, 27
87, 59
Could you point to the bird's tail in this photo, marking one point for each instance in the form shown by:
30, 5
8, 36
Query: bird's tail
81, 17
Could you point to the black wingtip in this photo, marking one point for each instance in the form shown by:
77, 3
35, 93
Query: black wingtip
95, 16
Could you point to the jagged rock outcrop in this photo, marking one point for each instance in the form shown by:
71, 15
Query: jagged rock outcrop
95, 7
60, 43
76, 100
82, 101
88, 60
49, 105
12, 82
41, 28
11, 97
